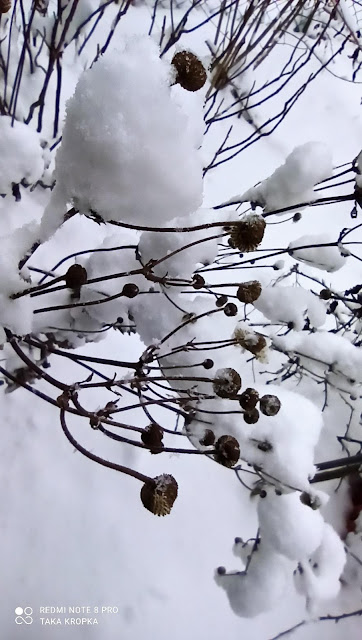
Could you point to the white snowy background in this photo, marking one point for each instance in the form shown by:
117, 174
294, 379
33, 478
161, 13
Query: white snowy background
75, 533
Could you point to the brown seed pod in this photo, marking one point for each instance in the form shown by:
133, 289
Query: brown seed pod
251, 341
221, 301
130, 290
191, 74
152, 437
247, 234
5, 6
208, 438
248, 292
325, 294
269, 405
198, 281
159, 494
76, 276
230, 309
249, 399
227, 451
251, 417
310, 501
227, 382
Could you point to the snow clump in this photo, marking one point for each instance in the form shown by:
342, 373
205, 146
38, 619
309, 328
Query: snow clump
22, 157
291, 305
328, 258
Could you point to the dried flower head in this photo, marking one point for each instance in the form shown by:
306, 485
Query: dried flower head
227, 451
249, 399
5, 6
130, 290
248, 292
247, 234
208, 438
269, 405
230, 309
76, 276
191, 74
252, 416
325, 294
310, 501
227, 382
159, 494
152, 437
41, 6
252, 341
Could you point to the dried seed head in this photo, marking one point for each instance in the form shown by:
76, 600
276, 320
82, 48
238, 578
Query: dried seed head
41, 6
130, 290
221, 301
230, 309
247, 234
76, 276
227, 451
208, 438
248, 292
152, 437
198, 281
251, 417
191, 74
5, 6
252, 341
227, 382
310, 501
325, 294
159, 494
249, 399
208, 363
297, 216
269, 405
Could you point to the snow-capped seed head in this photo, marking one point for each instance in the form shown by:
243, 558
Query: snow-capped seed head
191, 74
152, 437
76, 276
5, 6
251, 417
130, 290
227, 383
227, 451
248, 292
208, 438
310, 501
249, 399
251, 341
158, 495
247, 234
208, 363
325, 294
230, 309
221, 301
269, 405
198, 281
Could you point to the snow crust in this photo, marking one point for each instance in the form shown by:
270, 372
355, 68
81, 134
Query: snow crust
22, 156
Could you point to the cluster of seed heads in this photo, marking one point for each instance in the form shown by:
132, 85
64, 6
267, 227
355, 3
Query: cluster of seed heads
269, 405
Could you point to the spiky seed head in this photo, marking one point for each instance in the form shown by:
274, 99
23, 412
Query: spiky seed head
190, 72
158, 495
247, 234
249, 291
227, 451
5, 6
227, 383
